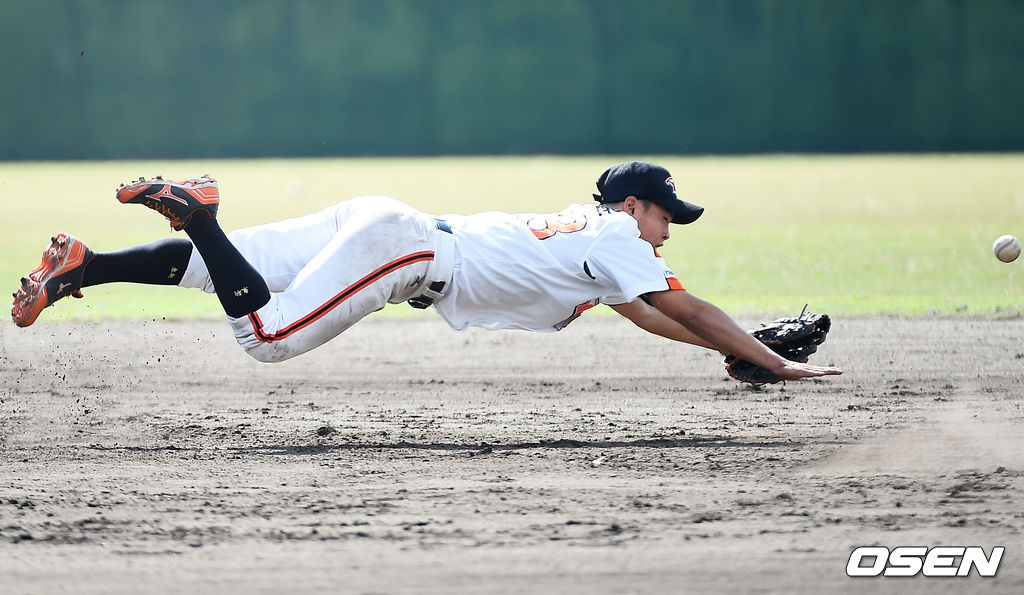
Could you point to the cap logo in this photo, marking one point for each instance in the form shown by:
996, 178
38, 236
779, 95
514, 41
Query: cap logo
671, 184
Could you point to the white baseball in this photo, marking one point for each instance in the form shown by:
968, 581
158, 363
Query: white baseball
1006, 248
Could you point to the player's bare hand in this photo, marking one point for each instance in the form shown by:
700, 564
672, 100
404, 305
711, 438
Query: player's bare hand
791, 370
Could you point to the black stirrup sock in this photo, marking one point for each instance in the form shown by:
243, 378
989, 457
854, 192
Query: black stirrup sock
157, 263
239, 286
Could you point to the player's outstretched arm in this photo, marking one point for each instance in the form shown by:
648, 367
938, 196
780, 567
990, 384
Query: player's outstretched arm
714, 326
653, 321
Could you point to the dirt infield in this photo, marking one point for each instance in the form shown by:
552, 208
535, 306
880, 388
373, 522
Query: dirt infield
406, 458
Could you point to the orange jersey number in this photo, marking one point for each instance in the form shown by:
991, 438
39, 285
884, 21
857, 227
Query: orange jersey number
545, 226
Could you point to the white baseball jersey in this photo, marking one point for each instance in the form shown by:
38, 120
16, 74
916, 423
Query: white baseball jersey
540, 272
330, 269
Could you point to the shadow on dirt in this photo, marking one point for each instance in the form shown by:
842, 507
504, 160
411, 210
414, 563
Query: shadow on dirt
480, 448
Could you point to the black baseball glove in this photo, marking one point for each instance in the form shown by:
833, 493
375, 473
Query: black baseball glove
794, 338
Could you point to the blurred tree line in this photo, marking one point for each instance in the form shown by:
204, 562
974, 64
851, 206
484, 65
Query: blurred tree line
98, 79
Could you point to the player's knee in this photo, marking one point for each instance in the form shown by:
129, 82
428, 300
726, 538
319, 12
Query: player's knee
260, 346
266, 352
269, 353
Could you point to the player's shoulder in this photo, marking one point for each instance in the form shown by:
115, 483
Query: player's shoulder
597, 212
604, 220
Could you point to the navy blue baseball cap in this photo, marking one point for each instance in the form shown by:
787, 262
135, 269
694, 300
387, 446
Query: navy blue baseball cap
648, 182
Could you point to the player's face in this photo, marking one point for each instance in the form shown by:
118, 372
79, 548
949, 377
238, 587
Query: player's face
653, 221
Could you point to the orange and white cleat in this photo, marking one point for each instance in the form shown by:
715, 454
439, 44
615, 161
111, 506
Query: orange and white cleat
58, 275
177, 201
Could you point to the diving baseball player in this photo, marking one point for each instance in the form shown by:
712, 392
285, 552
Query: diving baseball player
291, 286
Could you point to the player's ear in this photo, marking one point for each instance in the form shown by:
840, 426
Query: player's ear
629, 205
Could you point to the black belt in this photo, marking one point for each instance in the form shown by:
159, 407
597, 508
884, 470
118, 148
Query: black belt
423, 301
443, 225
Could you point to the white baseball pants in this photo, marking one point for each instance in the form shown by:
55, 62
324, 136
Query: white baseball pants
328, 270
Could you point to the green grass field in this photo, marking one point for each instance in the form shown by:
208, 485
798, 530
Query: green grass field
851, 235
